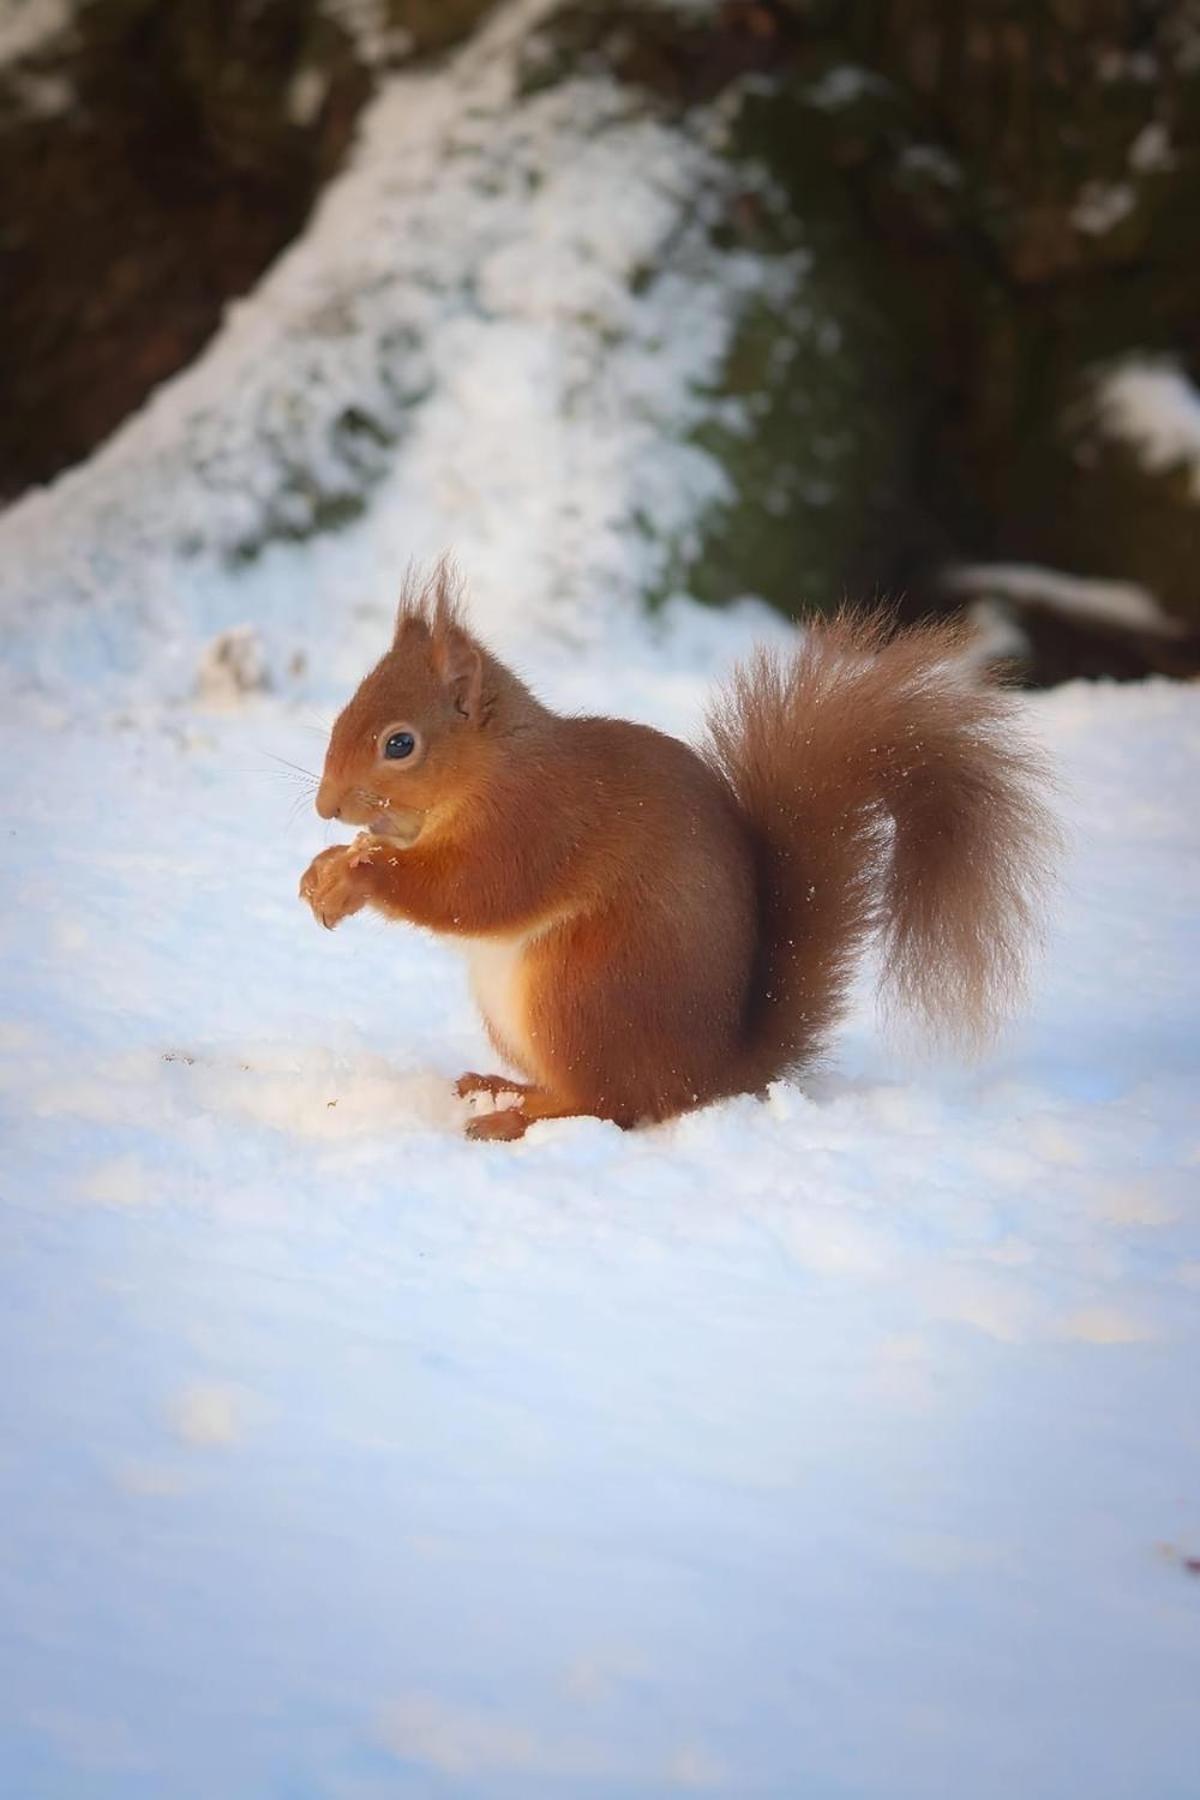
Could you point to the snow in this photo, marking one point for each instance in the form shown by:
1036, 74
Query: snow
27, 26
821, 1445
1124, 604
995, 635
367, 24
1150, 152
844, 85
469, 297
933, 163
1152, 406
1101, 206
838, 1444
306, 95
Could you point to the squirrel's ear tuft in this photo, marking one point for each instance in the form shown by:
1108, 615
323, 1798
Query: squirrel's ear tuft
430, 605
411, 629
412, 612
431, 615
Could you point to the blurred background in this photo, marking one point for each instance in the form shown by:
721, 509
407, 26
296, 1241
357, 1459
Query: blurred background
969, 380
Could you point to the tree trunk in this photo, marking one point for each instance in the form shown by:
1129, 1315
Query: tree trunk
154, 156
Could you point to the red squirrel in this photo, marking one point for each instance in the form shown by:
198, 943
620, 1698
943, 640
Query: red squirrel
651, 927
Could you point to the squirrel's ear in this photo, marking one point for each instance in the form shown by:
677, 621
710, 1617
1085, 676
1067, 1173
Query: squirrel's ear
460, 665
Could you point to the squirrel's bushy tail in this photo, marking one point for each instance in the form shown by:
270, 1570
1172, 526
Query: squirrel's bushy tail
887, 789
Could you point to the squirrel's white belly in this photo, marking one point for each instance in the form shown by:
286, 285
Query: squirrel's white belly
497, 982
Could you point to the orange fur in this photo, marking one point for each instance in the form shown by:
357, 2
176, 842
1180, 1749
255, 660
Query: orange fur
886, 789
652, 928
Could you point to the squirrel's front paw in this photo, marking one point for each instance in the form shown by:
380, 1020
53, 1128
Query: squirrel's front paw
336, 883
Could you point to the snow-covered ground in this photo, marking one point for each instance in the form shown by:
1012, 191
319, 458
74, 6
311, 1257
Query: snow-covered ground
844, 1445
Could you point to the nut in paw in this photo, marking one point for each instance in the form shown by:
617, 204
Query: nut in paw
335, 884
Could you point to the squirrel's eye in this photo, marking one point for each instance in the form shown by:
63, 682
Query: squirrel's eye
399, 745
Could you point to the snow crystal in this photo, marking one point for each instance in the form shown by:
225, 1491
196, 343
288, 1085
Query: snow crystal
1101, 206
1120, 603
1150, 152
42, 95
1152, 406
844, 86
368, 25
933, 162
26, 26
306, 95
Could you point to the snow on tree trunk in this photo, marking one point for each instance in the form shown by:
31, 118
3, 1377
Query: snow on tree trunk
154, 156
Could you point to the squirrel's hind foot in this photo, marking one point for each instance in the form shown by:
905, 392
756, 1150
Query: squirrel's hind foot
499, 1127
511, 1122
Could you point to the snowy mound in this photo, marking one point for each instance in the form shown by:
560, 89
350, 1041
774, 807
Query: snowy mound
495, 336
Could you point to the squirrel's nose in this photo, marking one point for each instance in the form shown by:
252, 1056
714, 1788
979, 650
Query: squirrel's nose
329, 804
